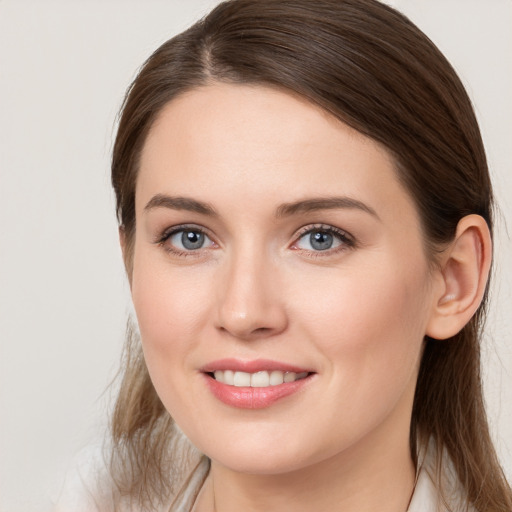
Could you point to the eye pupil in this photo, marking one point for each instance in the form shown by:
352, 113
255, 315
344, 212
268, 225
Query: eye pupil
192, 240
321, 241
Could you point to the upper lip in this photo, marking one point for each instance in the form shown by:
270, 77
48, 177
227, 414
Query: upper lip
256, 365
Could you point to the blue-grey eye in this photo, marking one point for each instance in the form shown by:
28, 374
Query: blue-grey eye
189, 239
319, 240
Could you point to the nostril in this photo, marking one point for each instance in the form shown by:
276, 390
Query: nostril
262, 330
247, 332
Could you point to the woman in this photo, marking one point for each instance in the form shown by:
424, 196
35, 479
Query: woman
305, 215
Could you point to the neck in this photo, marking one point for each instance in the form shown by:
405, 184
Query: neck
376, 473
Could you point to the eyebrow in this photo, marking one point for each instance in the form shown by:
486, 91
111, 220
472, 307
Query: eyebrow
285, 210
180, 203
324, 203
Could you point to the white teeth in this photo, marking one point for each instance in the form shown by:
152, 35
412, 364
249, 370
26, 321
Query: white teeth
276, 378
289, 376
261, 379
242, 379
229, 377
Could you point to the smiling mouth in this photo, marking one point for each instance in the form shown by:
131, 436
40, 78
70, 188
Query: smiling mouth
255, 384
261, 379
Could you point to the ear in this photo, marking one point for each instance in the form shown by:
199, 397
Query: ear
463, 276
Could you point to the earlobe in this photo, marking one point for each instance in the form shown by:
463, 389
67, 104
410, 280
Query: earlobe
464, 273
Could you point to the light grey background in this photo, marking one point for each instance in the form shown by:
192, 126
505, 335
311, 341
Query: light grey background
64, 67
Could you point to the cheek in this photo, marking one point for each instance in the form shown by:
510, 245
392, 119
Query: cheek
364, 301
171, 307
369, 324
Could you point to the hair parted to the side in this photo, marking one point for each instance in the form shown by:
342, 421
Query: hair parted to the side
370, 67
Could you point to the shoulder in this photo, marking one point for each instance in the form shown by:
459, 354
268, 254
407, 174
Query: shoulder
87, 485
427, 496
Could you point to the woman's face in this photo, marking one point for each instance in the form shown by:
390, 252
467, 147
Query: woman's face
276, 251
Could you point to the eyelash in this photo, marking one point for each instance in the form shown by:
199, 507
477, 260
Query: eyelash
346, 240
168, 233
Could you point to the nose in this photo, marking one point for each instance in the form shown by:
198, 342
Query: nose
250, 303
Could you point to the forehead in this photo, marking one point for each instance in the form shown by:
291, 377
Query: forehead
238, 115
257, 141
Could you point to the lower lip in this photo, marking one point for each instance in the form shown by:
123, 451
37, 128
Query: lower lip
247, 397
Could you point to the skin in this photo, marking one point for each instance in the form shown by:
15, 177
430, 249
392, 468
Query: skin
355, 314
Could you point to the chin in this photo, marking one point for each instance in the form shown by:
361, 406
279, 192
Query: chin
262, 463
266, 454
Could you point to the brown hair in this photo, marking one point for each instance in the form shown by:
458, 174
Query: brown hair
370, 67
